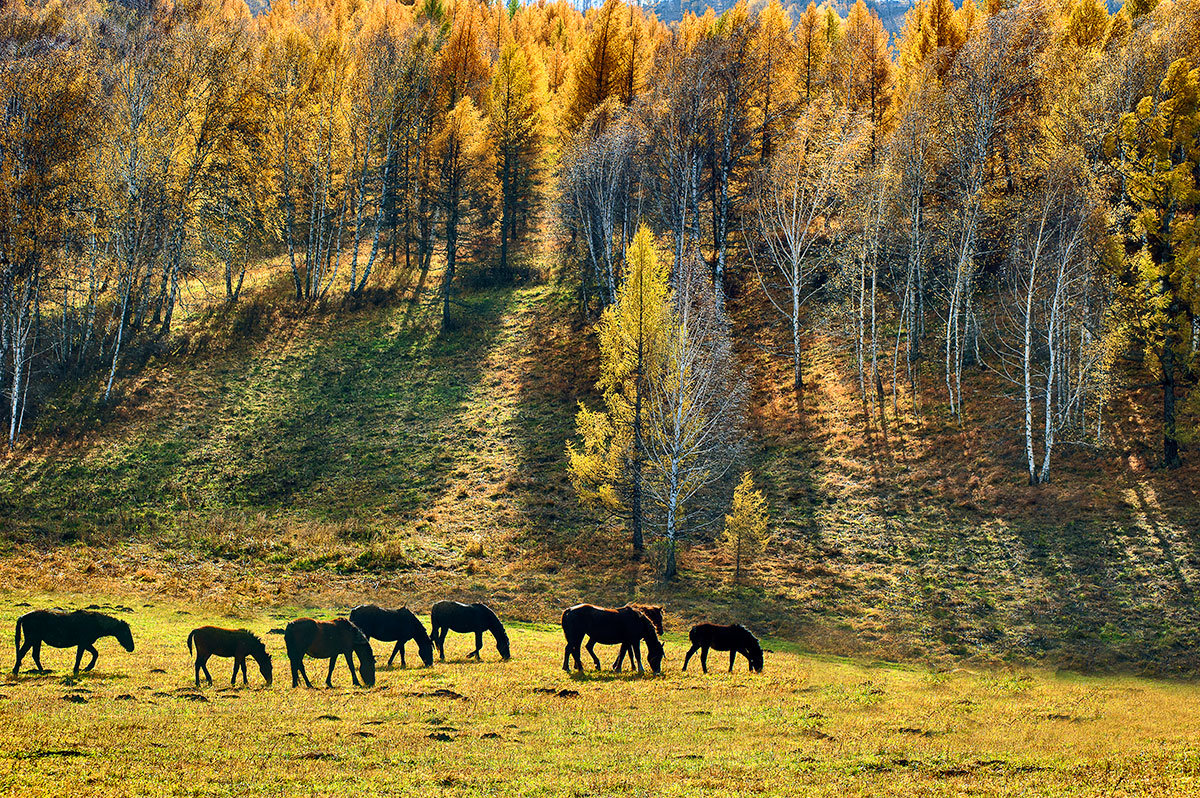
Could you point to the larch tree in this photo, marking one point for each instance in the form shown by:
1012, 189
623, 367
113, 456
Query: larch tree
601, 67
1157, 149
517, 128
466, 175
745, 534
608, 470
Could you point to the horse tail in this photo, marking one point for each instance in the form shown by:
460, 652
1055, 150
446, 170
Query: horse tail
20, 623
193, 634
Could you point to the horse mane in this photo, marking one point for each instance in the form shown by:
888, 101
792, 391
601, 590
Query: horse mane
107, 623
647, 623
361, 645
260, 646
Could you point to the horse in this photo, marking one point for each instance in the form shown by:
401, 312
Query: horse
328, 639
59, 629
735, 639
626, 626
399, 625
652, 611
477, 618
237, 643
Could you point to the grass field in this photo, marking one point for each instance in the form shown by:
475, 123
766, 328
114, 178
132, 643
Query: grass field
808, 725
297, 457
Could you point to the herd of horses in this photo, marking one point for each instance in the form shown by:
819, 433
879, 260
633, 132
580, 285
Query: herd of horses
628, 627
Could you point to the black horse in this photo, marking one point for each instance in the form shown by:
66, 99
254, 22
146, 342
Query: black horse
625, 626
212, 641
735, 639
330, 639
58, 629
652, 611
478, 618
399, 625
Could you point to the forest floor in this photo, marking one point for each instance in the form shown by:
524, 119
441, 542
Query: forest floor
275, 458
808, 725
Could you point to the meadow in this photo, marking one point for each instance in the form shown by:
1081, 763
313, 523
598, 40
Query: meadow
808, 725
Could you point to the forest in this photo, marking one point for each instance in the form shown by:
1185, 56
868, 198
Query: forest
1006, 190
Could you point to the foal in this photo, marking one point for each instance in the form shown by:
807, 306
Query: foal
237, 643
735, 639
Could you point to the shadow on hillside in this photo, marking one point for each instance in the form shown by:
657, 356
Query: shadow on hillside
342, 413
560, 371
362, 422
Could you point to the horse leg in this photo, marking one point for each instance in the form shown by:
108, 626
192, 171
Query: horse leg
695, 647
92, 650
591, 649
621, 658
395, 651
78, 658
636, 656
245, 678
439, 637
704, 658
478, 645
202, 664
21, 655
37, 655
566, 657
732, 657
350, 665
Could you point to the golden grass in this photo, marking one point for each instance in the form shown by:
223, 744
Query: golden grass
806, 726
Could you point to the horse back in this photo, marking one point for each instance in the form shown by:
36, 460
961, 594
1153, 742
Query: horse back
62, 629
225, 642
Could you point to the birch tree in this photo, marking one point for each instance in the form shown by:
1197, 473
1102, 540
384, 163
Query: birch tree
795, 200
695, 412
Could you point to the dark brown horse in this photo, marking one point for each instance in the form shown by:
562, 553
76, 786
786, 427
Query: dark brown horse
330, 639
477, 618
625, 626
735, 639
652, 611
399, 625
212, 641
65, 629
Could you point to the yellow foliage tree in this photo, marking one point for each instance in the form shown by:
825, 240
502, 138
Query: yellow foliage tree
607, 471
745, 534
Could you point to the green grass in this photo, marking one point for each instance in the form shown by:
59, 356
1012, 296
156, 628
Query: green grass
807, 725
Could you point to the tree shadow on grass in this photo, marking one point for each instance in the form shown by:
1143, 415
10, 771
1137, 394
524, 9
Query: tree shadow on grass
344, 414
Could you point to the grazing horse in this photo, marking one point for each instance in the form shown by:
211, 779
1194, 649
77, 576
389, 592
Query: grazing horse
477, 618
626, 626
212, 641
65, 629
328, 639
399, 625
652, 611
735, 639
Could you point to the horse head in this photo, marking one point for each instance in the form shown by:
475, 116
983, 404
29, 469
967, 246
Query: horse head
366, 656
124, 635
654, 653
265, 666
753, 649
501, 641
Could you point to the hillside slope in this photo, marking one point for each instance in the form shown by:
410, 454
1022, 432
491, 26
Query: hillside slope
357, 451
